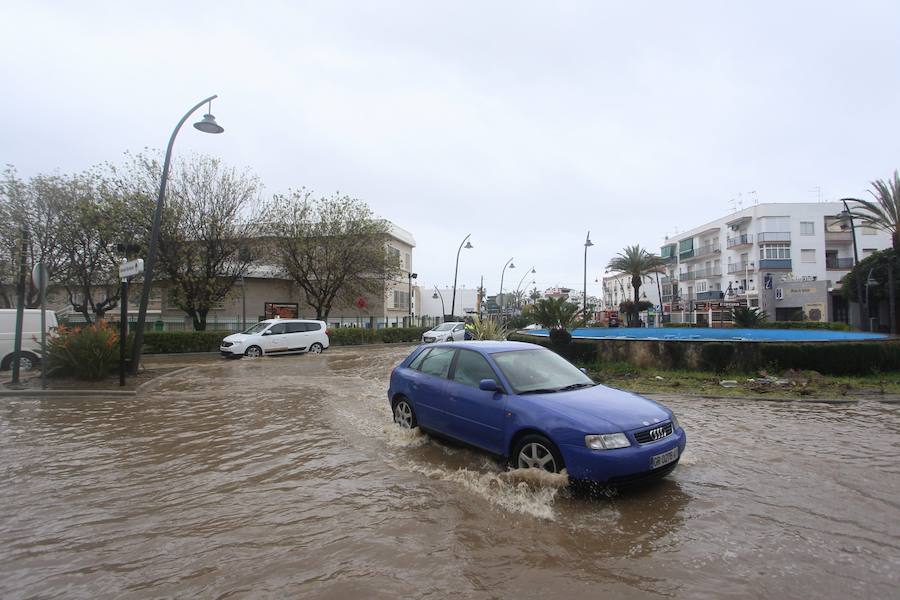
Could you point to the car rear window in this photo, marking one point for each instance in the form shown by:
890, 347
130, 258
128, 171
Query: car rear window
313, 326
296, 327
471, 368
437, 362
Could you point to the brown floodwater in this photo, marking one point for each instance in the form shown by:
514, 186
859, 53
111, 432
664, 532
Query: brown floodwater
284, 477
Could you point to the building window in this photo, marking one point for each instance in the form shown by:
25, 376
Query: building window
868, 231
807, 228
775, 252
401, 299
807, 256
701, 287
394, 253
779, 224
868, 251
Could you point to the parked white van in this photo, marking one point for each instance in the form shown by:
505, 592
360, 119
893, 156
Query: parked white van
277, 336
31, 336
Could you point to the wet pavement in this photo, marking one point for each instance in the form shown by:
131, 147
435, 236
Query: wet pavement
283, 477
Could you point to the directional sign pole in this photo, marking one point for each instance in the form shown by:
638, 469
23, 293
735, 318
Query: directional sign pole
39, 277
123, 330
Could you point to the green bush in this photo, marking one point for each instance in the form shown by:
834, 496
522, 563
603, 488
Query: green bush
88, 352
353, 336
176, 342
391, 335
833, 326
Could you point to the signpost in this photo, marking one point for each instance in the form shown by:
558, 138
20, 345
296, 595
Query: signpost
127, 270
40, 278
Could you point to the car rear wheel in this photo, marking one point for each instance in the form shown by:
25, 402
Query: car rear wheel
537, 452
253, 352
316, 348
27, 361
404, 415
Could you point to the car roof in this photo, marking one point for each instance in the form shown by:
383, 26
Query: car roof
290, 321
488, 346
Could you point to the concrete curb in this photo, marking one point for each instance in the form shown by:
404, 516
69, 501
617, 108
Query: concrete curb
66, 393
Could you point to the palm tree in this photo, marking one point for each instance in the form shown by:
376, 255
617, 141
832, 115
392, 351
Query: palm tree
883, 212
638, 263
554, 313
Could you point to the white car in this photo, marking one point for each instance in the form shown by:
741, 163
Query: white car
445, 332
31, 337
277, 336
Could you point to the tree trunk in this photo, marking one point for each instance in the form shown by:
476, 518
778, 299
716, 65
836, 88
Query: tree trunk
199, 318
892, 297
635, 311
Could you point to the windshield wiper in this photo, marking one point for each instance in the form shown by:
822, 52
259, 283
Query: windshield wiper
575, 386
539, 391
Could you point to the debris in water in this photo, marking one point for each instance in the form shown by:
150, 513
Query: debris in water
728, 383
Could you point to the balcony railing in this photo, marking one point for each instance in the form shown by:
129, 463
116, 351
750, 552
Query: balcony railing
702, 251
699, 274
844, 237
773, 236
775, 263
740, 267
740, 240
839, 264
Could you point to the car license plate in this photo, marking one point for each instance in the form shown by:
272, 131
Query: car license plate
665, 458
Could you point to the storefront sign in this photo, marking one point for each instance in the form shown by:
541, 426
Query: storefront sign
282, 310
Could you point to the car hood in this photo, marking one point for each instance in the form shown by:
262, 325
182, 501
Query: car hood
602, 409
434, 333
236, 337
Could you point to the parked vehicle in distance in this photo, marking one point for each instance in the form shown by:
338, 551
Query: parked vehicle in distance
445, 332
529, 405
31, 336
277, 336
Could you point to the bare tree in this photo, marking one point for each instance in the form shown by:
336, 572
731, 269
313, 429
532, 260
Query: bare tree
35, 203
331, 247
206, 233
92, 215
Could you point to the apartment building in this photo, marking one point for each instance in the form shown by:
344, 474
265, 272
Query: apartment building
788, 259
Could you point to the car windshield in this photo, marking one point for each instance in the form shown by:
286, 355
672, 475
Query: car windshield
540, 371
444, 327
258, 328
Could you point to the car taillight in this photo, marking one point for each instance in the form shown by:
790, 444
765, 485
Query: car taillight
328, 331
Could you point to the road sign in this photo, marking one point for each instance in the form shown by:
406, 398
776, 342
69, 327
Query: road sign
40, 276
131, 268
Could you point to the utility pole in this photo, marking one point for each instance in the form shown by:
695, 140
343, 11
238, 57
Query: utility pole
20, 306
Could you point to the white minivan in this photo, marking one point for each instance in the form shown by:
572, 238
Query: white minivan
31, 336
277, 336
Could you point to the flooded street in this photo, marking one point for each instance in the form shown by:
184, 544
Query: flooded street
284, 477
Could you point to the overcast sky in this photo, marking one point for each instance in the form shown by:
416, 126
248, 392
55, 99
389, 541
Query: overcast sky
522, 123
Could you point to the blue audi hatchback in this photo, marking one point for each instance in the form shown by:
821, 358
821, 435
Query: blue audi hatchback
532, 407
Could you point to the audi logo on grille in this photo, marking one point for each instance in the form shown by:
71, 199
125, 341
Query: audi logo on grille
658, 433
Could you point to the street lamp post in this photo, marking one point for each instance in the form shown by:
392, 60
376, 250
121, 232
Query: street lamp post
509, 264
207, 125
410, 277
587, 244
468, 246
859, 291
437, 294
518, 287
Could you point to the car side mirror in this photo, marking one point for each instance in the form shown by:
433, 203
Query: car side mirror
488, 385
583, 370
267, 332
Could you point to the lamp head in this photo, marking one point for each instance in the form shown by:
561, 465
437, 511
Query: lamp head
468, 246
434, 296
208, 125
512, 265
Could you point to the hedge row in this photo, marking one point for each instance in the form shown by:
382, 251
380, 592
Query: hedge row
836, 358
175, 342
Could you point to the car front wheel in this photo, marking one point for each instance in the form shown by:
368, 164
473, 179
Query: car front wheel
537, 452
316, 348
253, 352
404, 414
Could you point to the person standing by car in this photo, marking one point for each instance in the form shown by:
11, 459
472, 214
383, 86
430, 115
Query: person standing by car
470, 328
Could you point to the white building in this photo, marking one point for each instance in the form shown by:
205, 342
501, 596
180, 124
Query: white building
787, 259
617, 287
466, 301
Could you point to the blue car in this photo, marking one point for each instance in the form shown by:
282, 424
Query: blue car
532, 407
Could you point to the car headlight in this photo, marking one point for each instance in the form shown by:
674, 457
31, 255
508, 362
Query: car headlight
606, 441
675, 424
227, 344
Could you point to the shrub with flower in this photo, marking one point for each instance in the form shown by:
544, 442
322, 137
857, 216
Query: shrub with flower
89, 352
